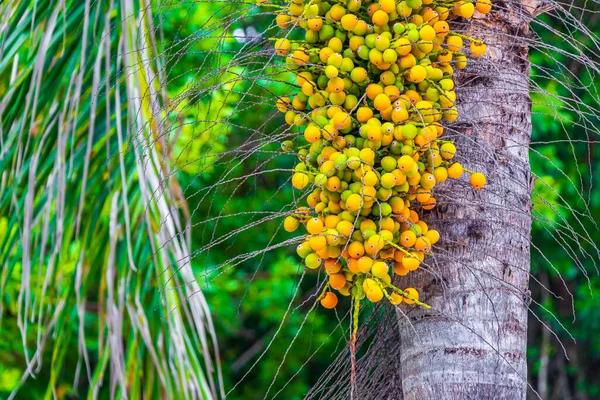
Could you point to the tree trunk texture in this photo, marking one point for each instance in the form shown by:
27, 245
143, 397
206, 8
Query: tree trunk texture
472, 343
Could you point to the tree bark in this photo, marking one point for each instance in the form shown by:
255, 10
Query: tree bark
472, 343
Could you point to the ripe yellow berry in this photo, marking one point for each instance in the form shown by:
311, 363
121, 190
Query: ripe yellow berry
466, 10
345, 228
331, 221
444, 57
358, 74
454, 43
341, 120
388, 6
296, 9
349, 22
382, 102
403, 47
317, 242
361, 28
399, 115
380, 18
313, 261
416, 19
374, 244
478, 48
308, 88
337, 12
314, 226
290, 223
441, 28
451, 114
299, 180
427, 33
367, 156
423, 195
337, 281
422, 225
411, 295
283, 21
333, 183
478, 180
312, 133
408, 238
379, 269
300, 57
364, 264
282, 46
370, 179
315, 24
406, 163
372, 290
430, 16
440, 174
433, 236
331, 72
422, 244
336, 44
410, 262
363, 114
417, 74
374, 133
400, 269
388, 180
354, 202
356, 249
483, 6
332, 266
382, 43
353, 265
336, 84
375, 295
373, 90
429, 204
448, 150
428, 180
455, 170
396, 299
329, 300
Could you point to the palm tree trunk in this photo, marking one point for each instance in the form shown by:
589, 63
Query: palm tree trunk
472, 343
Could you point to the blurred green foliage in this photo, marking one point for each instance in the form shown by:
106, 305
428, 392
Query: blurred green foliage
565, 158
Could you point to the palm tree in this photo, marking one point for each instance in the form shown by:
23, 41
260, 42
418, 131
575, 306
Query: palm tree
95, 243
91, 247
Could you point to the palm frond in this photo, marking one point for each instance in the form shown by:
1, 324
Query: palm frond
89, 236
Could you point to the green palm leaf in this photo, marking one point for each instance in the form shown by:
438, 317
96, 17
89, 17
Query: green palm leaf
91, 247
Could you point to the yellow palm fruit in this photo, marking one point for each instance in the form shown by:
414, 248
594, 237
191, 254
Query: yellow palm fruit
300, 180
337, 281
329, 300
364, 264
478, 180
483, 6
478, 48
411, 295
380, 18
